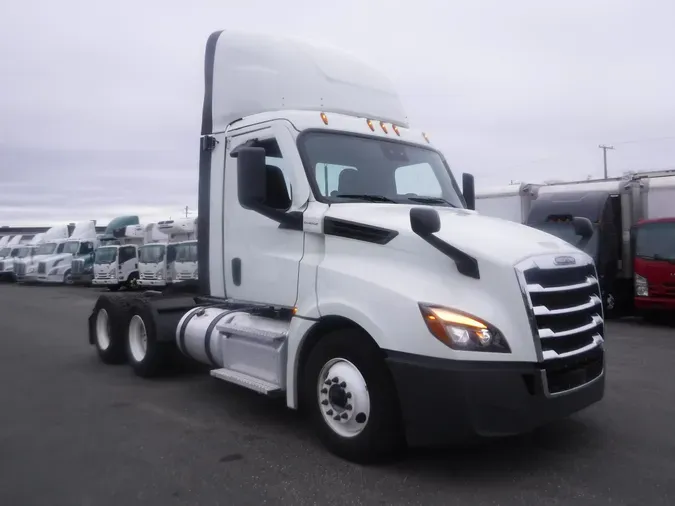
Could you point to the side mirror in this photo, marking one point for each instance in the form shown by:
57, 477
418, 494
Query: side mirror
469, 191
424, 221
582, 227
251, 177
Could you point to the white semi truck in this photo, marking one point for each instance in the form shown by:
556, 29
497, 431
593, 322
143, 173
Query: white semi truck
57, 268
116, 265
10, 248
51, 243
370, 294
157, 257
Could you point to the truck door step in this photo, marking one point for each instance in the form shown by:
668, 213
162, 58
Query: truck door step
247, 381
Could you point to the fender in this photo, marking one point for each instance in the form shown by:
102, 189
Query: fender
300, 329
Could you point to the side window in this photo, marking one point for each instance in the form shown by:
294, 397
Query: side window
59, 248
328, 179
279, 189
126, 254
86, 248
418, 179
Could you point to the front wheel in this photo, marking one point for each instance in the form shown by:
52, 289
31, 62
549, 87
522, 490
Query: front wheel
351, 398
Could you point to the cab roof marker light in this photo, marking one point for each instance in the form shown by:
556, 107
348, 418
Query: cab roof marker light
370, 125
395, 129
426, 137
324, 118
384, 127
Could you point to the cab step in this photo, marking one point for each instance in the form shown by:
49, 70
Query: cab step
247, 381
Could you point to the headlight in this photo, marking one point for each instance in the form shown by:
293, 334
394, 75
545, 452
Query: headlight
159, 275
641, 286
461, 331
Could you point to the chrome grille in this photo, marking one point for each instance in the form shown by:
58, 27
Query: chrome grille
20, 269
565, 305
77, 267
42, 268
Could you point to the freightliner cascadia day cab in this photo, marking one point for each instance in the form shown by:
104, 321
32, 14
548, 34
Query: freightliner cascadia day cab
342, 269
116, 262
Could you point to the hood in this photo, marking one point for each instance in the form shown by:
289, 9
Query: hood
61, 256
501, 241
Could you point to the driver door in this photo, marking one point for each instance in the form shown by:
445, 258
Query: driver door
261, 258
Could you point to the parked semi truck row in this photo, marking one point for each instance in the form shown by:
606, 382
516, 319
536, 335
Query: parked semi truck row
342, 268
617, 210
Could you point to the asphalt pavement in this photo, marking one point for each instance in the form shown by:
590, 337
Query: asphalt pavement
76, 432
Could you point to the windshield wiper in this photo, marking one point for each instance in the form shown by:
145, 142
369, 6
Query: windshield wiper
431, 200
365, 196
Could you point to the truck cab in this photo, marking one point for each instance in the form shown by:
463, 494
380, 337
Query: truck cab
52, 242
555, 212
116, 262
654, 247
157, 256
13, 249
342, 268
186, 264
58, 267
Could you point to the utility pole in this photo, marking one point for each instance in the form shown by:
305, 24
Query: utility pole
186, 211
604, 156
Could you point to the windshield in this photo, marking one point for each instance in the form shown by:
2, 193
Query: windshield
46, 249
105, 255
71, 247
656, 241
4, 252
152, 254
348, 167
24, 252
565, 231
186, 252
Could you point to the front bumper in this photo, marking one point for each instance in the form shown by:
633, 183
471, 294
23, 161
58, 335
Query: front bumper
50, 278
83, 278
448, 401
655, 303
153, 282
105, 281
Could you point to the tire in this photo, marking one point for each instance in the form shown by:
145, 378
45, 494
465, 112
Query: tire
67, 278
355, 361
114, 288
147, 356
110, 318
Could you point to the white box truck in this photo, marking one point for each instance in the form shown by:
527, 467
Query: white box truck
511, 202
342, 269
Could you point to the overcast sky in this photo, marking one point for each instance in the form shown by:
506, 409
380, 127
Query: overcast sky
100, 107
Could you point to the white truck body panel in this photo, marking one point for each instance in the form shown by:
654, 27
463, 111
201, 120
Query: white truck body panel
511, 202
659, 197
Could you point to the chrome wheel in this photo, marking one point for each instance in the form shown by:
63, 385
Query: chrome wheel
138, 338
103, 329
343, 397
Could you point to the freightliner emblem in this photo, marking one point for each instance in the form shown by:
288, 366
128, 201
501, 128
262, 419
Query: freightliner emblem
564, 261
